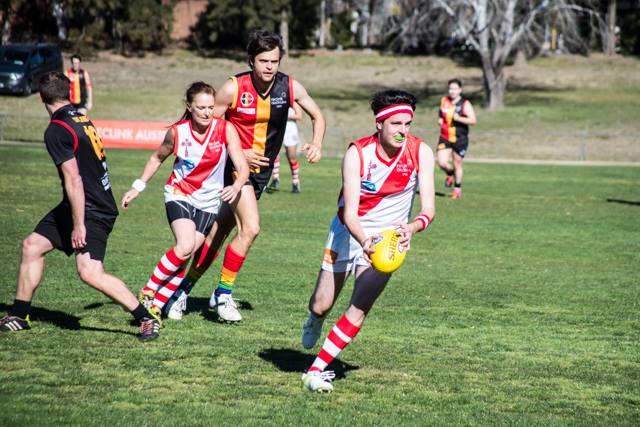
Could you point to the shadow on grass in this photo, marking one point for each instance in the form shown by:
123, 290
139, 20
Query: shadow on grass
624, 202
62, 320
288, 360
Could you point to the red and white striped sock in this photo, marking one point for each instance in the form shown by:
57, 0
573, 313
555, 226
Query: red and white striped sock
341, 335
167, 268
276, 169
165, 293
295, 172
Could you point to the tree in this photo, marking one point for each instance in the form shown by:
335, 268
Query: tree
495, 29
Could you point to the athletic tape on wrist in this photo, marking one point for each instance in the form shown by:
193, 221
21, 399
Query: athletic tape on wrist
424, 220
139, 185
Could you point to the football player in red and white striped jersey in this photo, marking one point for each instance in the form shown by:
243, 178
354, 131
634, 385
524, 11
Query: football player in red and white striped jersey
380, 175
195, 188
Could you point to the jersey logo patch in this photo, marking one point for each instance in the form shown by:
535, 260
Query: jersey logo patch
247, 110
368, 186
188, 164
246, 99
215, 145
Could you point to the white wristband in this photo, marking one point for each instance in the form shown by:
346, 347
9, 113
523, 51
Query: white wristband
139, 185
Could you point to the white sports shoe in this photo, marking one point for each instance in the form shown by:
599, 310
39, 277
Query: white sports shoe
178, 307
312, 330
226, 307
318, 381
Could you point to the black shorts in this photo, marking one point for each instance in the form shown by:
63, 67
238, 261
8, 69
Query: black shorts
179, 209
57, 225
459, 147
257, 180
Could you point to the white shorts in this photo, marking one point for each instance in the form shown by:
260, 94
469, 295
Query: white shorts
341, 252
291, 135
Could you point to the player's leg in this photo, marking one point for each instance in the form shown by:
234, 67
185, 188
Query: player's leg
247, 218
457, 166
295, 167
329, 284
172, 267
174, 261
444, 156
34, 248
91, 271
369, 284
275, 176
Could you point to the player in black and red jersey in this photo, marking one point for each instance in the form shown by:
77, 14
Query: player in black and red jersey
257, 103
81, 223
454, 117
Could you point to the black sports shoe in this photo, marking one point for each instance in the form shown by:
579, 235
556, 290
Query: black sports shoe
149, 329
10, 323
273, 186
295, 188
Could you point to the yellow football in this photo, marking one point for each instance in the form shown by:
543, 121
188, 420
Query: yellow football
389, 254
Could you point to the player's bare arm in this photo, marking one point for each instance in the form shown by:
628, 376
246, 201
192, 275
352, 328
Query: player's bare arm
313, 149
296, 114
75, 192
153, 164
351, 194
224, 98
469, 112
427, 196
234, 148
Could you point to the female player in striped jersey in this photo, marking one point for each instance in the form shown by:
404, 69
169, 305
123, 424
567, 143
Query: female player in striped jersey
194, 191
380, 174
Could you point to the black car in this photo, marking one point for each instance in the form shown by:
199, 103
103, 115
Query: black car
22, 65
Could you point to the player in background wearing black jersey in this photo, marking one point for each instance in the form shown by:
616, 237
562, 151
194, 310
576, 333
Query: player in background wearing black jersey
81, 223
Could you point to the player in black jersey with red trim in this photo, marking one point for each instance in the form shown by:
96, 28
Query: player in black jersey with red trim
454, 117
81, 223
257, 103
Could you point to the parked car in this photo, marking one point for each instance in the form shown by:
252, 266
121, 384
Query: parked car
22, 65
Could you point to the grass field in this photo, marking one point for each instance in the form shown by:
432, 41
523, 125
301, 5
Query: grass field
565, 107
519, 306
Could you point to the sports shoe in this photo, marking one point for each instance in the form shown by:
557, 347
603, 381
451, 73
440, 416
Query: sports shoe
226, 307
149, 329
312, 330
448, 182
10, 323
273, 186
156, 313
178, 307
146, 298
457, 193
295, 188
318, 381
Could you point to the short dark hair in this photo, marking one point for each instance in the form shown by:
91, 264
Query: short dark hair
54, 87
76, 56
263, 41
389, 97
456, 81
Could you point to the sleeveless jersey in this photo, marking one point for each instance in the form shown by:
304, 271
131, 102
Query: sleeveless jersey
261, 121
79, 83
387, 189
198, 171
450, 130
72, 135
